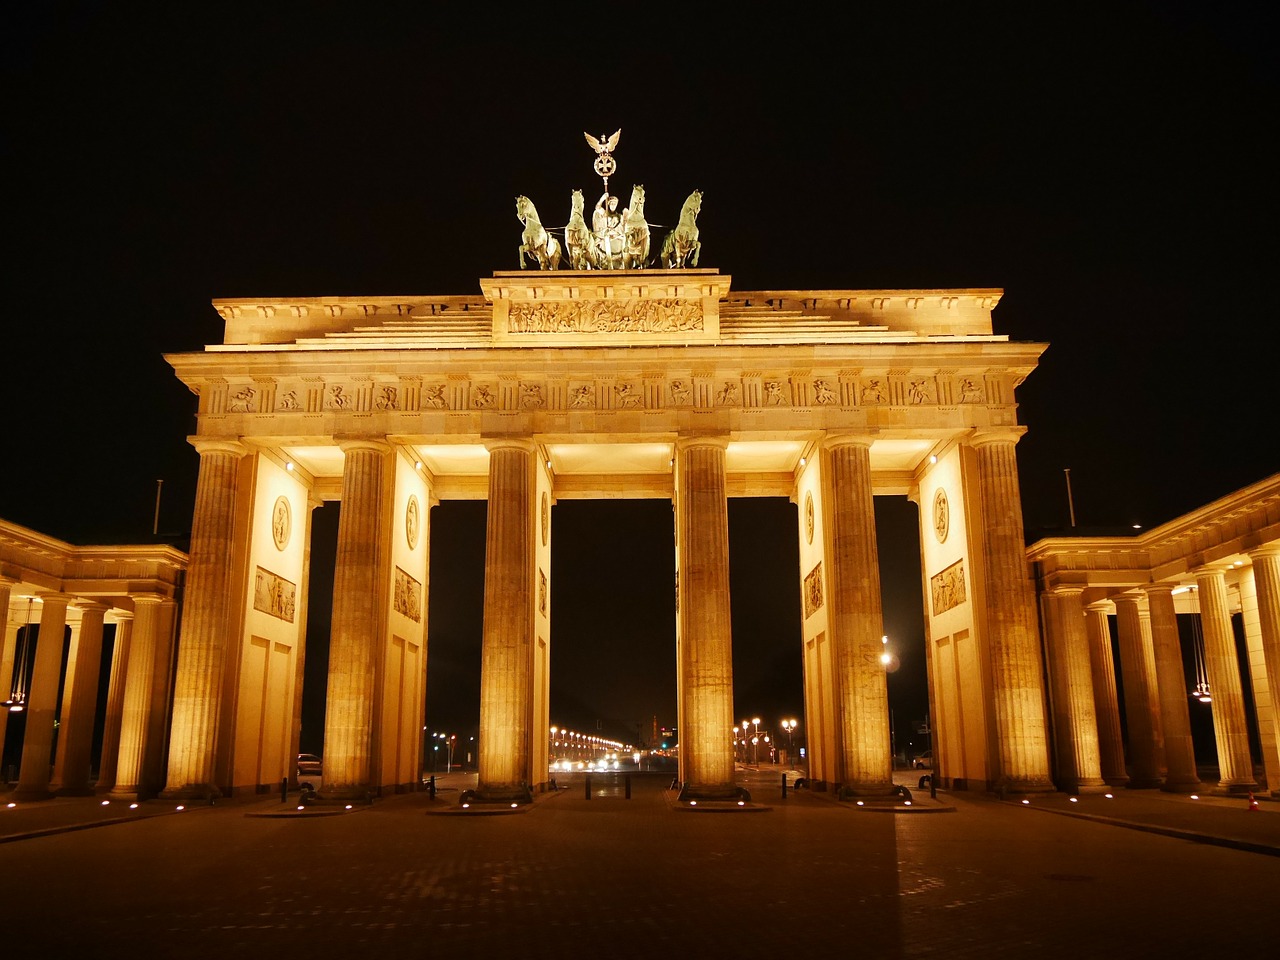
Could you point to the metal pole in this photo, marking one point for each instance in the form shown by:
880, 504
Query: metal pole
1071, 507
155, 524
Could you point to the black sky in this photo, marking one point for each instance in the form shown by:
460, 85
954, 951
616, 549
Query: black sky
1107, 166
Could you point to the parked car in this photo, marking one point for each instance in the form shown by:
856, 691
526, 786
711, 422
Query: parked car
308, 765
924, 761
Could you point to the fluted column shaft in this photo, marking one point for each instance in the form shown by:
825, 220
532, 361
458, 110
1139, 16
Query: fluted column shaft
115, 704
1235, 764
75, 738
1106, 699
42, 702
1017, 688
506, 668
206, 628
706, 639
1075, 721
1148, 649
1266, 578
8, 650
135, 718
1139, 694
359, 600
1171, 683
856, 622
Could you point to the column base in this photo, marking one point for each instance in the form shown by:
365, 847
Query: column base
861, 790
713, 791
1023, 787
193, 791
507, 793
1091, 787
1116, 781
1181, 786
1234, 788
1143, 783
21, 795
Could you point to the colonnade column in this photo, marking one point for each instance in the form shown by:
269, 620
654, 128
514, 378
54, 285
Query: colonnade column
856, 622
75, 738
1235, 764
706, 637
1140, 693
1171, 684
1266, 577
506, 668
42, 702
359, 610
206, 628
1075, 726
8, 651
1017, 688
135, 719
1106, 699
115, 703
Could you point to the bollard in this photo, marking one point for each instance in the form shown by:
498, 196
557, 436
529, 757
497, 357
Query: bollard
587, 785
284, 790
431, 787
626, 780
784, 786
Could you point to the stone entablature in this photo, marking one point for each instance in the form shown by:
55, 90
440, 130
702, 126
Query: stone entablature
1220, 533
596, 308
38, 561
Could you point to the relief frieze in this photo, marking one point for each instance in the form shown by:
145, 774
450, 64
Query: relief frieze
274, 595
605, 316
408, 596
241, 401
813, 591
947, 588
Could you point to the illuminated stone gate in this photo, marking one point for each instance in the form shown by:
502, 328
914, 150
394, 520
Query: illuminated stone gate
622, 384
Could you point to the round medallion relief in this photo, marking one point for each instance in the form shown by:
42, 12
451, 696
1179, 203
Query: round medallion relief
941, 515
281, 522
808, 517
411, 522
546, 518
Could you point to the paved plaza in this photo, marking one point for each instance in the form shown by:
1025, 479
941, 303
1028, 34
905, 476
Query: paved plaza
975, 877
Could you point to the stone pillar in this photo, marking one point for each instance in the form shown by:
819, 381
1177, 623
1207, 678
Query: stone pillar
1235, 765
80, 701
1171, 682
1075, 722
115, 703
506, 667
359, 602
135, 718
206, 628
1106, 699
855, 621
1157, 728
300, 661
1266, 577
42, 702
1012, 641
1139, 693
706, 638
8, 651
153, 763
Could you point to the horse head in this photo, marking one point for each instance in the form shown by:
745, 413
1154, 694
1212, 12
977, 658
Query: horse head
693, 205
637, 199
525, 209
575, 203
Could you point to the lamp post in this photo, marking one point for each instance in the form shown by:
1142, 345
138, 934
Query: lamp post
790, 727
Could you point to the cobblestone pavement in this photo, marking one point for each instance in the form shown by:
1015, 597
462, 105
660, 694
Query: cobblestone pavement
633, 878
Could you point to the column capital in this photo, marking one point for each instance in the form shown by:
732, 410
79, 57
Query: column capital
1065, 590
146, 598
1263, 552
686, 440
841, 438
120, 616
90, 606
523, 444
1159, 588
205, 445
1101, 606
53, 596
347, 444
988, 435
1208, 570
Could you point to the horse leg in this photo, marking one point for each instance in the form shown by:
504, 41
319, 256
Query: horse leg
520, 251
697, 248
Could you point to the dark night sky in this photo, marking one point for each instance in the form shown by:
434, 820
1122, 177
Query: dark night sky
1105, 166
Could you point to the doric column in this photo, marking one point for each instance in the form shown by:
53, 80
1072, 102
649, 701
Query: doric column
206, 630
359, 601
1157, 728
8, 650
1266, 578
42, 702
115, 703
1171, 683
1235, 765
1106, 700
153, 765
706, 638
135, 718
506, 667
80, 701
1012, 634
855, 621
1075, 722
1139, 693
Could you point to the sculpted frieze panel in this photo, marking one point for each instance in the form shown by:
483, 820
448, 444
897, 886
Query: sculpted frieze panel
813, 591
387, 399
680, 392
971, 390
434, 396
947, 588
408, 596
605, 316
274, 595
626, 396
531, 397
241, 400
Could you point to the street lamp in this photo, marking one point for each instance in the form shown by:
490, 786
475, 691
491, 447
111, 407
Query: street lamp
790, 727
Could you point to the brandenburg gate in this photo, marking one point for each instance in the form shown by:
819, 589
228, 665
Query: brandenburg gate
599, 383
